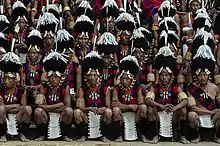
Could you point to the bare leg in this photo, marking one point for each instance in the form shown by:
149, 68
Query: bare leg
41, 119
152, 117
3, 124
194, 125
117, 118
80, 120
142, 121
107, 117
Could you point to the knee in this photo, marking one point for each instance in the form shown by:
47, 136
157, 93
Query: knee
28, 110
151, 111
183, 112
38, 112
77, 113
68, 111
116, 111
108, 113
143, 108
2, 110
192, 117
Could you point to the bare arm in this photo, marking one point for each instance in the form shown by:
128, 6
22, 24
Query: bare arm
116, 103
150, 101
108, 98
67, 99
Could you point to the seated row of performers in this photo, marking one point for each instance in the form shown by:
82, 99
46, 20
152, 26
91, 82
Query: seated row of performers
125, 94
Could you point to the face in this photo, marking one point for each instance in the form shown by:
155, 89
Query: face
22, 23
33, 55
139, 54
195, 6
125, 80
48, 42
54, 80
125, 37
69, 54
9, 81
83, 41
203, 78
165, 77
107, 60
93, 78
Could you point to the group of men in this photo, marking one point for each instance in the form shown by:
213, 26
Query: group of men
65, 59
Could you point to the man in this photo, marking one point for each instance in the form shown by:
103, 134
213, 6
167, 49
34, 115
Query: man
47, 24
106, 46
54, 97
203, 95
93, 97
83, 30
166, 95
13, 98
125, 24
33, 69
127, 96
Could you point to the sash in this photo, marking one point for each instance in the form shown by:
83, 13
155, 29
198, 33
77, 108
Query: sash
202, 97
54, 130
11, 121
166, 129
94, 125
130, 131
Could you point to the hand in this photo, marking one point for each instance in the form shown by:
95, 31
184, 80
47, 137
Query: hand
213, 112
59, 105
163, 107
169, 108
133, 107
101, 110
94, 110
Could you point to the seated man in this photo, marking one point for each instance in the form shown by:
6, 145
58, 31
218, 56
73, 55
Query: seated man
166, 95
203, 95
127, 97
12, 98
54, 97
93, 97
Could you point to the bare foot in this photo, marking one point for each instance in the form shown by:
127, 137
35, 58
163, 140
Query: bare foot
105, 139
66, 138
41, 138
183, 140
119, 139
23, 138
153, 141
3, 139
83, 138
216, 139
197, 140
143, 138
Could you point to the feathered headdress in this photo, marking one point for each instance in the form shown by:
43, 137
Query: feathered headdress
4, 24
168, 23
202, 19
93, 61
84, 24
3, 43
165, 60
130, 65
202, 37
84, 8
110, 8
107, 43
166, 10
34, 39
52, 8
55, 62
10, 62
125, 21
18, 11
48, 23
64, 41
168, 38
141, 38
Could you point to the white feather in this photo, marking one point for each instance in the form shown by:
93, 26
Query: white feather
85, 4
144, 30
48, 18
35, 32
2, 35
130, 58
11, 57
51, 6
107, 39
137, 34
125, 17
166, 19
165, 51
3, 18
18, 4
110, 3
204, 51
93, 54
85, 19
63, 35
204, 34
55, 55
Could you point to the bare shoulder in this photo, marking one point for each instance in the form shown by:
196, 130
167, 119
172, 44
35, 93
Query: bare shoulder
213, 87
